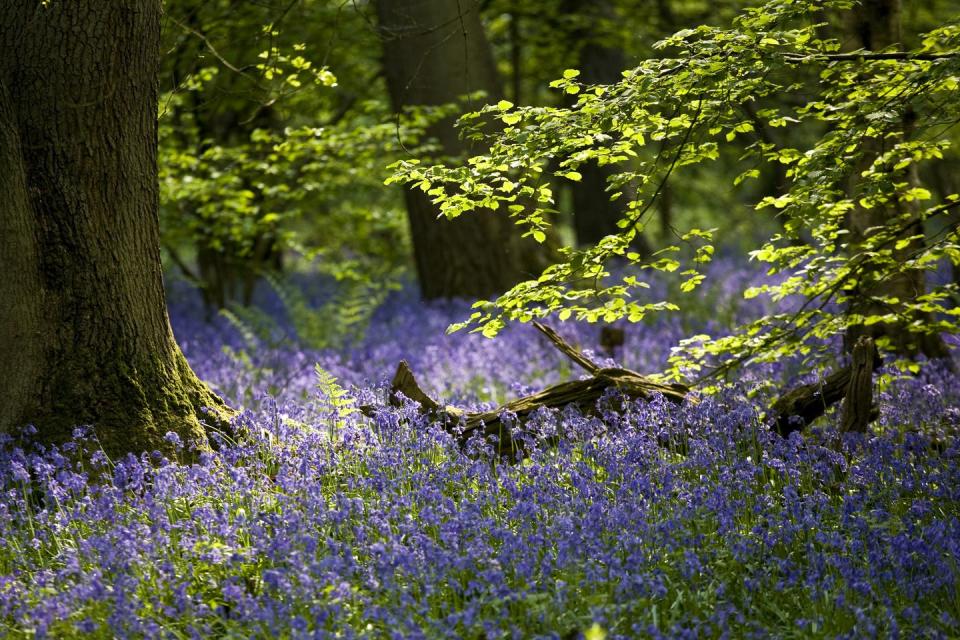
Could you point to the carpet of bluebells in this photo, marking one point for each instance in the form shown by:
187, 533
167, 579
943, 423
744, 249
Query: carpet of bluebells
642, 520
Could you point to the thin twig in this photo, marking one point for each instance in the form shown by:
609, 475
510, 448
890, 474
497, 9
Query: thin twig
216, 54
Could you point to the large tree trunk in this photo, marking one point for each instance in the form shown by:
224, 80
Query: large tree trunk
84, 333
875, 25
600, 61
435, 51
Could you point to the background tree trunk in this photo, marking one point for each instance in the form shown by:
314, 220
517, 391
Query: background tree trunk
435, 51
86, 339
226, 271
600, 61
874, 26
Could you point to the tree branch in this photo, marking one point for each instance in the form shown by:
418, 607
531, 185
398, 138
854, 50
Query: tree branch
567, 349
871, 55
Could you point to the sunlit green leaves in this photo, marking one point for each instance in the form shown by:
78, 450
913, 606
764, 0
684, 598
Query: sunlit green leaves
850, 146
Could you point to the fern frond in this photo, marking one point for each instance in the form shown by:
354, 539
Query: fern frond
342, 403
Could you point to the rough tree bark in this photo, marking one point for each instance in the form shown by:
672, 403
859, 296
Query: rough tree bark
858, 407
801, 405
84, 333
435, 51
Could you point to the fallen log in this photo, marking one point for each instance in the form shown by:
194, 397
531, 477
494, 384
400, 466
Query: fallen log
793, 411
581, 393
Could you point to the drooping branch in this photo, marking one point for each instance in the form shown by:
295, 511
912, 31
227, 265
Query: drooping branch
242, 71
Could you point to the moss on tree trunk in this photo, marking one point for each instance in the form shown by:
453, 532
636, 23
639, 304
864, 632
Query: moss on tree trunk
86, 330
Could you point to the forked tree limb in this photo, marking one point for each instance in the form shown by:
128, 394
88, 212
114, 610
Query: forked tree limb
581, 393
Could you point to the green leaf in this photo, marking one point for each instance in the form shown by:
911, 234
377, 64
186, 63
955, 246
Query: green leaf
595, 632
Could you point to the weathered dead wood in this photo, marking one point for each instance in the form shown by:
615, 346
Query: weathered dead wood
581, 393
801, 405
567, 349
405, 382
858, 407
793, 411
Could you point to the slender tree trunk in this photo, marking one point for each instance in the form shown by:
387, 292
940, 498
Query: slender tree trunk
595, 216
84, 333
227, 271
435, 51
875, 25
516, 54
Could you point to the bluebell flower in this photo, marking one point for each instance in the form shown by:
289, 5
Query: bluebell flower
174, 439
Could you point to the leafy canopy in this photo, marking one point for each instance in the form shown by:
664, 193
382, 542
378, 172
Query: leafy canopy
871, 119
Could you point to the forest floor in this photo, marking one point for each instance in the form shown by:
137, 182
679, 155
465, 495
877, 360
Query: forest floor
322, 522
